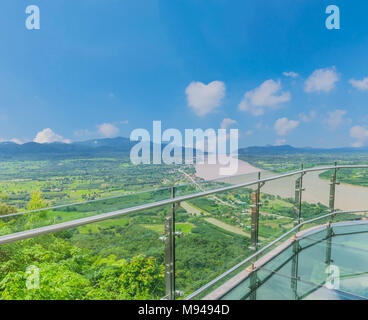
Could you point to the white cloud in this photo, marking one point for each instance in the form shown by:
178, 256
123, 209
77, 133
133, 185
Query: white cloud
360, 134
108, 130
227, 122
280, 142
49, 136
284, 125
17, 141
204, 99
105, 129
266, 95
14, 140
308, 117
336, 118
360, 84
322, 80
291, 74
249, 132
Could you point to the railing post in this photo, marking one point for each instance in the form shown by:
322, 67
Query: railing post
333, 184
294, 270
329, 245
256, 203
170, 251
298, 196
296, 247
253, 285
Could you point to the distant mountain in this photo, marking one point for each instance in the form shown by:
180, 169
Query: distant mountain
91, 148
115, 143
268, 150
121, 147
287, 149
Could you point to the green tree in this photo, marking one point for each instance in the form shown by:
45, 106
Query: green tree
4, 209
142, 277
36, 202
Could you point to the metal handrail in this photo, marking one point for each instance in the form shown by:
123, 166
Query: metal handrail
200, 194
84, 202
259, 252
104, 216
175, 201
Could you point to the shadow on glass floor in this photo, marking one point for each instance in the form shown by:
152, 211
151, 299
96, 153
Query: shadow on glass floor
331, 264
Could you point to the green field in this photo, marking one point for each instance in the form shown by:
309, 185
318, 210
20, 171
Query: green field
69, 181
123, 258
159, 228
357, 177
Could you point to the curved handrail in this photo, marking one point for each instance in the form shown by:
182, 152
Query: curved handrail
83, 202
259, 252
104, 216
198, 194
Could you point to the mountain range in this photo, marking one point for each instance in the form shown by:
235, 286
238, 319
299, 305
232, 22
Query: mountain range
287, 149
122, 146
89, 148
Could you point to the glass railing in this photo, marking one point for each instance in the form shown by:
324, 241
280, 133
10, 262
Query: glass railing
187, 241
119, 258
49, 216
302, 270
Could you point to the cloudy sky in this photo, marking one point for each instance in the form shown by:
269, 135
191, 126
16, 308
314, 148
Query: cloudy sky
103, 68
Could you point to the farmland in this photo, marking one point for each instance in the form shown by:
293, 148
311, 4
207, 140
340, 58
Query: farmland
123, 258
69, 181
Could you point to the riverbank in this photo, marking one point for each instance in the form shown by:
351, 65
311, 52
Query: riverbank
212, 171
348, 197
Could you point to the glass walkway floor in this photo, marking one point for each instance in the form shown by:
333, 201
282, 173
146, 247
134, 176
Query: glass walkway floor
329, 263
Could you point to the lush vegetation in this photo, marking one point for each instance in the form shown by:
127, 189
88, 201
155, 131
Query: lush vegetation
120, 258
69, 272
123, 258
286, 162
352, 176
74, 180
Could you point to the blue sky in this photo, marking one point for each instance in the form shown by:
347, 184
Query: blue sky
105, 67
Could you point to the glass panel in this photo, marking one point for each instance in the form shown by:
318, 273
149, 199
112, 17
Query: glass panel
231, 212
279, 209
239, 292
120, 258
44, 217
302, 270
200, 184
352, 192
315, 196
216, 238
66, 181
350, 217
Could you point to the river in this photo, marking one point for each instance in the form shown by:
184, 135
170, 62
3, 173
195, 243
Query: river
348, 197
